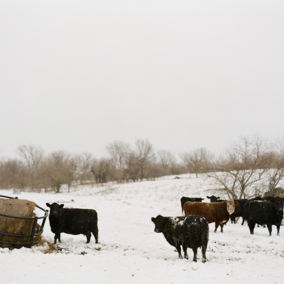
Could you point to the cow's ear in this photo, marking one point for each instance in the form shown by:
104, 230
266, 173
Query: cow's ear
47, 204
207, 197
236, 203
61, 205
153, 219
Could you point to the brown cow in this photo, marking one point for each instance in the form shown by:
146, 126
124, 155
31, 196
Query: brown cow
212, 212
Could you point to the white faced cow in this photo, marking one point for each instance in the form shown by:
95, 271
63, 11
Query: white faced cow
213, 212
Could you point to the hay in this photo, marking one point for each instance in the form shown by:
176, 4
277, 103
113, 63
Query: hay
19, 208
51, 248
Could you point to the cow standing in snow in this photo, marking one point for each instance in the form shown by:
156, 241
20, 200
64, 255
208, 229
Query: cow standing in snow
73, 221
239, 210
264, 213
190, 199
218, 212
190, 231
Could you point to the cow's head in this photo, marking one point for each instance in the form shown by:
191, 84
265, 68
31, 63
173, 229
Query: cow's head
54, 209
231, 206
159, 222
278, 204
213, 198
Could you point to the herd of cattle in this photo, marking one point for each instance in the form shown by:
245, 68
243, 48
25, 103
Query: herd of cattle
192, 230
189, 231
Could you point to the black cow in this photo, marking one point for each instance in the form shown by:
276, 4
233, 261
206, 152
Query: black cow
264, 213
73, 221
269, 198
256, 198
186, 231
239, 210
214, 198
190, 199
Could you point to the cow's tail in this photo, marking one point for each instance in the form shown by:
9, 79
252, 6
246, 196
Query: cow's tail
204, 232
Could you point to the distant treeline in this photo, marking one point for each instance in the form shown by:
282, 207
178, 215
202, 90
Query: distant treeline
241, 163
39, 171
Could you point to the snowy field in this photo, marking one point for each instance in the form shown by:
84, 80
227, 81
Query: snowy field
129, 251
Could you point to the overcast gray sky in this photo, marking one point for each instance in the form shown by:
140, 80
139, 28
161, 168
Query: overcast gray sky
78, 75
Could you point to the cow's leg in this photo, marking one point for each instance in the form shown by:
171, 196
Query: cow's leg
179, 251
185, 251
243, 220
194, 253
96, 235
251, 226
204, 247
269, 227
88, 235
57, 236
278, 229
216, 226
222, 225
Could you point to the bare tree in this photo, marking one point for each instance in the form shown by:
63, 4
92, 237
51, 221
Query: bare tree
54, 170
131, 170
12, 174
72, 167
118, 152
101, 170
166, 161
59, 169
44, 174
145, 154
197, 161
84, 167
155, 169
242, 167
32, 156
276, 173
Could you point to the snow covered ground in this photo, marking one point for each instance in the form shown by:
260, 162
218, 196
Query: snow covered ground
129, 251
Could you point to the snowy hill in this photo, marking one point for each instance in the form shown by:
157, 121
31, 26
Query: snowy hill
129, 251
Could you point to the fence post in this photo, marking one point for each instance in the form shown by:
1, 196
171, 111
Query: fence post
33, 232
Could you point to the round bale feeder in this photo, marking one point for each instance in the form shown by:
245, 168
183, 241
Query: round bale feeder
19, 225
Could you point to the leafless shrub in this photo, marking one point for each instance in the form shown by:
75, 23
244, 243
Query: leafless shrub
198, 161
101, 170
32, 157
242, 166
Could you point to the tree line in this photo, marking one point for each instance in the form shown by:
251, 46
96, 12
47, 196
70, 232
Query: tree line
39, 171
250, 162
